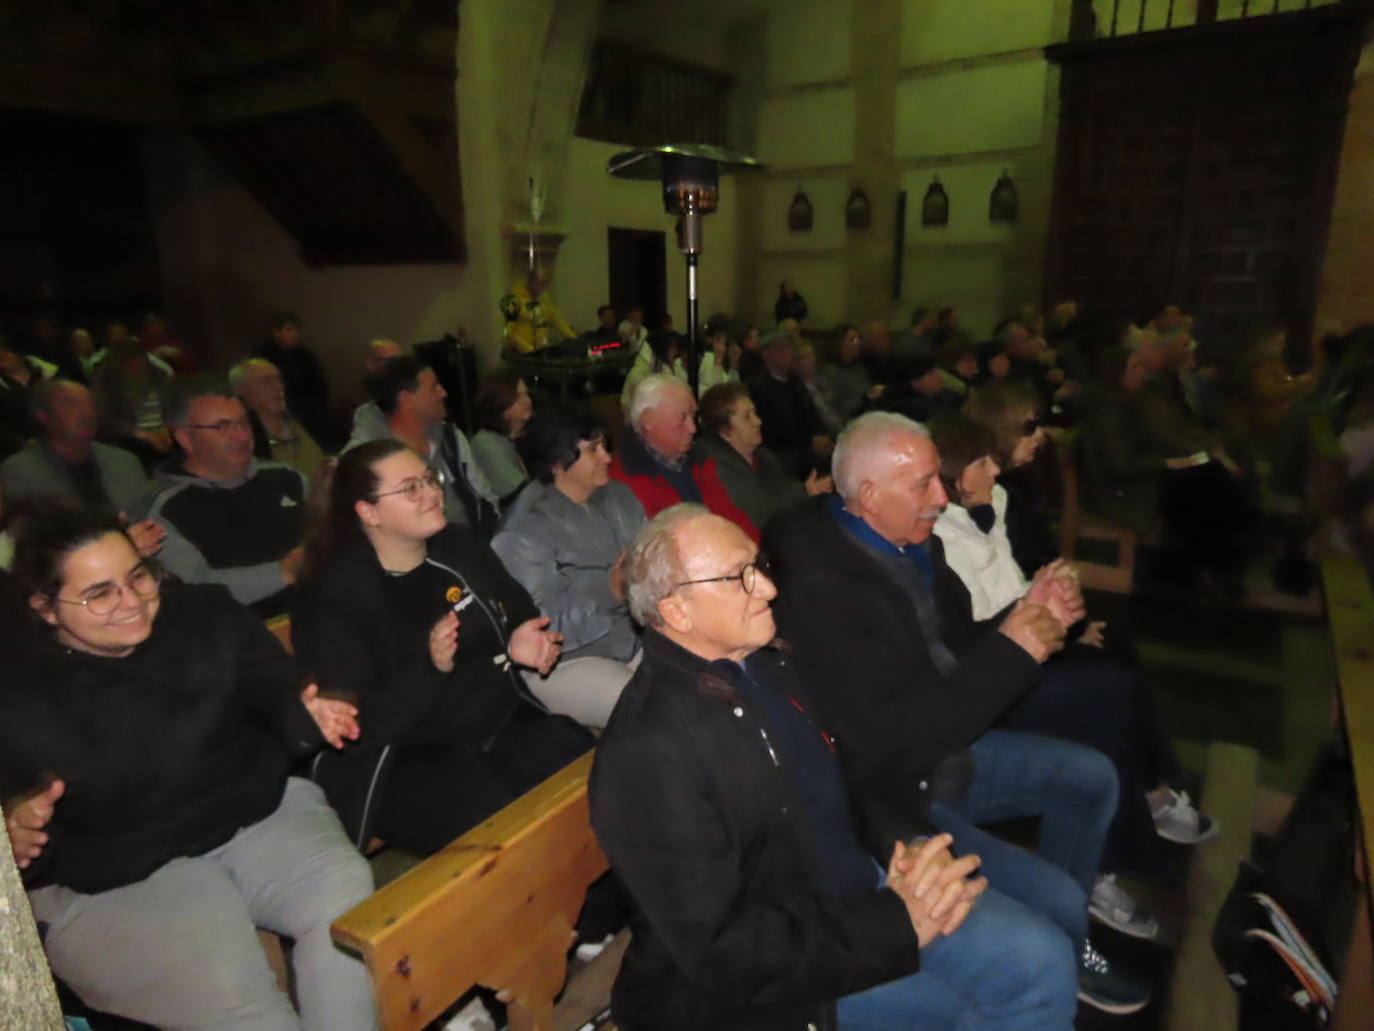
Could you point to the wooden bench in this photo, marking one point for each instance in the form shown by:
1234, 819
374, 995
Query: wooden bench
1076, 524
1350, 608
494, 908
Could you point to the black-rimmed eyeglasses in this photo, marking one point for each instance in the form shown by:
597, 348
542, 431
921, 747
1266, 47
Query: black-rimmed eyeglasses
748, 577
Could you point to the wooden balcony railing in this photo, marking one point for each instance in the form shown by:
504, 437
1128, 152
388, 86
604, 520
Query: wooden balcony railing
641, 99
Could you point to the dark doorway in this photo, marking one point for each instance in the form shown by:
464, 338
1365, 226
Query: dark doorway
1196, 166
638, 272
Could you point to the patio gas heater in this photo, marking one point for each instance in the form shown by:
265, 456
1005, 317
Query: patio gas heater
690, 174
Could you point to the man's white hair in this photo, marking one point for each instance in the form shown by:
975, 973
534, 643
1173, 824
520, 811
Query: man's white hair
653, 566
865, 445
649, 392
240, 372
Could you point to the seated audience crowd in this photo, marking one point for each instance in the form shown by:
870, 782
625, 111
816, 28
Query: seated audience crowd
814, 622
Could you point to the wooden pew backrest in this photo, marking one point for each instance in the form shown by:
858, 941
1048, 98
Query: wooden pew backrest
496, 907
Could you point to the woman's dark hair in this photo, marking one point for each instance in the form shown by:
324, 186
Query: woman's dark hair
353, 479
46, 534
662, 344
496, 393
1001, 408
552, 439
718, 404
961, 441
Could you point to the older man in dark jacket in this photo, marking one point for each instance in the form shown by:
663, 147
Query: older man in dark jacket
719, 800
911, 685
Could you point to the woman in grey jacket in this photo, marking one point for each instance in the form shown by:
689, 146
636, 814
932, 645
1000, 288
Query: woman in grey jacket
564, 545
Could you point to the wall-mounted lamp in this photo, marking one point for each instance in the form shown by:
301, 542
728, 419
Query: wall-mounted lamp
1003, 205
935, 205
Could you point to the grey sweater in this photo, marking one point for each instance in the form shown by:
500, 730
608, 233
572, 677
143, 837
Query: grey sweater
562, 553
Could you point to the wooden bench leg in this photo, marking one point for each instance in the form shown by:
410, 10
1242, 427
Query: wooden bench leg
532, 987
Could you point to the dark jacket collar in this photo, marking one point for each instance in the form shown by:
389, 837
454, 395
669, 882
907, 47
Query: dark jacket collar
637, 460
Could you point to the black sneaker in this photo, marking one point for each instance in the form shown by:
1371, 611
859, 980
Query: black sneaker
1111, 991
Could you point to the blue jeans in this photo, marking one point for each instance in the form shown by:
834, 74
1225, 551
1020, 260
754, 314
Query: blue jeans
1072, 789
1005, 969
1104, 704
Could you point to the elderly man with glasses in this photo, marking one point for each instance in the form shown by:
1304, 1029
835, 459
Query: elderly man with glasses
763, 899
229, 518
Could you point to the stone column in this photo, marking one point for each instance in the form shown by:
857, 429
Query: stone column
874, 65
27, 999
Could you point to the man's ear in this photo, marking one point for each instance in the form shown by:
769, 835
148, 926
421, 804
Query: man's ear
43, 605
865, 497
674, 614
182, 436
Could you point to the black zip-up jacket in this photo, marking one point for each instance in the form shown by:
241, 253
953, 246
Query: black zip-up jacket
860, 652
166, 753
361, 640
701, 824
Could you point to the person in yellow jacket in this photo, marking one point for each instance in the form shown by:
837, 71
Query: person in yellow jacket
532, 321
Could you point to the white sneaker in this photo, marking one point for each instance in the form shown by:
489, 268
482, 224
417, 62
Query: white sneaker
472, 1017
588, 951
1178, 820
1113, 906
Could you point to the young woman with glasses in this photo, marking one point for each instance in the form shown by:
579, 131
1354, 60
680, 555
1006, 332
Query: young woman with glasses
146, 736
418, 622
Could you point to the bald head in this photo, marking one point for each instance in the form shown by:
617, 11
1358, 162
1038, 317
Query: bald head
379, 352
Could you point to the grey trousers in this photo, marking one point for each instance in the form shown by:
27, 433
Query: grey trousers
179, 949
584, 689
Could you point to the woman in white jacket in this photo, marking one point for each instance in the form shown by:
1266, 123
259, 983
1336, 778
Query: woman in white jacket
1083, 694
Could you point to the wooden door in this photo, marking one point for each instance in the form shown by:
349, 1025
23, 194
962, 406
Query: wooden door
1196, 166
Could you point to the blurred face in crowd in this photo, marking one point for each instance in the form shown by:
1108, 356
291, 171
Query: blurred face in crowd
588, 474
807, 366
1137, 368
379, 352
83, 346
670, 425
217, 438
930, 383
751, 339
850, 347
779, 357
11, 361
903, 503
287, 335
719, 620
1169, 318
262, 389
115, 334
120, 596
1030, 441
1022, 343
790, 326
719, 343
966, 365
744, 432
949, 319
153, 332
518, 412
1064, 312
877, 342
410, 500
607, 318
425, 403
975, 483
70, 417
